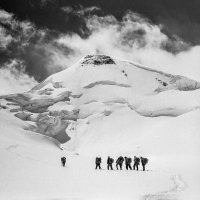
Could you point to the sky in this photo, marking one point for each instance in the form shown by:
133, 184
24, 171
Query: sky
41, 37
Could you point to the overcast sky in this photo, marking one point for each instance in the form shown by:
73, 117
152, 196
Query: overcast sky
41, 37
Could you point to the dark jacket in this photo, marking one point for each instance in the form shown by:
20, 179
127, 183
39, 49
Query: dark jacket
136, 160
120, 160
110, 160
98, 160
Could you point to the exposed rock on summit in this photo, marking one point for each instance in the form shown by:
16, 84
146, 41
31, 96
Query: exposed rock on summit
97, 60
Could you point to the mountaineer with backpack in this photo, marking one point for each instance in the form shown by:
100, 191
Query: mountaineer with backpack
98, 162
144, 161
109, 163
136, 163
119, 162
63, 161
128, 163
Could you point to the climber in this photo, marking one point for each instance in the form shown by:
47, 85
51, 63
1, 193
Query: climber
98, 162
119, 162
63, 161
110, 162
128, 163
136, 163
144, 161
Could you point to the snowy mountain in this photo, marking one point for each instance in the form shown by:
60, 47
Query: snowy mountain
106, 106
98, 86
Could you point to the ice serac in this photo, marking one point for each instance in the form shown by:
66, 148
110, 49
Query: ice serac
96, 87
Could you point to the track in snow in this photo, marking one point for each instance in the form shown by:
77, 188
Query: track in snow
178, 186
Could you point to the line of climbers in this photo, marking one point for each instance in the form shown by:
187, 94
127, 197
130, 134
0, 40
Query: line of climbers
120, 161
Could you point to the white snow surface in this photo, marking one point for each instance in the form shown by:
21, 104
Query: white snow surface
125, 109
31, 168
147, 91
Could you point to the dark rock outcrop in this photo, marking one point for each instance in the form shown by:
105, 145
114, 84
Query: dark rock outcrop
97, 60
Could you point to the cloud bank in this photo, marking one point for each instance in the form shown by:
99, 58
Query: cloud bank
14, 36
13, 79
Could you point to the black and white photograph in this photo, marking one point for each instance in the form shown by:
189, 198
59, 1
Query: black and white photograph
99, 99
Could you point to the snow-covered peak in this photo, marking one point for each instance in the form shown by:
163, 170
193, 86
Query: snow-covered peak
100, 69
98, 85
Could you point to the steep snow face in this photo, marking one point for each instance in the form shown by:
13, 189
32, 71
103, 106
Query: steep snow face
99, 85
93, 70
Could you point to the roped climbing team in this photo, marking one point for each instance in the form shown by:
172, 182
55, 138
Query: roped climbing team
120, 161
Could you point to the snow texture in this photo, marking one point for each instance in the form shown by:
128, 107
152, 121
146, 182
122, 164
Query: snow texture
102, 107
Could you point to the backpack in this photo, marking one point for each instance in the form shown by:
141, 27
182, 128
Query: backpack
145, 161
98, 160
63, 159
118, 160
129, 160
111, 160
121, 159
138, 160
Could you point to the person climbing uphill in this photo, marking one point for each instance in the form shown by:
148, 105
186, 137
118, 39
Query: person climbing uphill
119, 162
63, 161
136, 163
98, 162
144, 161
128, 163
109, 163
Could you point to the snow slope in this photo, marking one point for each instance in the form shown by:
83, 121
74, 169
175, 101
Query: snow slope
31, 166
98, 107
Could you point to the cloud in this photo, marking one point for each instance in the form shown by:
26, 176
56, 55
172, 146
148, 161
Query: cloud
134, 38
183, 25
15, 37
108, 34
5, 37
20, 40
5, 17
15, 32
13, 78
80, 11
67, 9
33, 52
